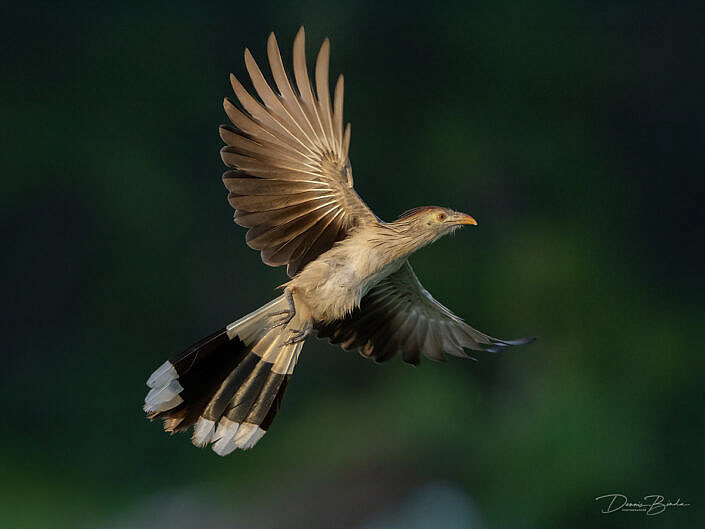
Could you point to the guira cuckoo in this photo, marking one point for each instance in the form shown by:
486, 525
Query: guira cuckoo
290, 183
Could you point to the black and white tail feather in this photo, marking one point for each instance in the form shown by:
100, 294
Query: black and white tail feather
228, 386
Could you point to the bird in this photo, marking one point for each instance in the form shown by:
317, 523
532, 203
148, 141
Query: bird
290, 182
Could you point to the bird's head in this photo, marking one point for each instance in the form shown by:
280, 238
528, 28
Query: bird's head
429, 223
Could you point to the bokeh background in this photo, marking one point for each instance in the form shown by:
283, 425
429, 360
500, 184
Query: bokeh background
574, 132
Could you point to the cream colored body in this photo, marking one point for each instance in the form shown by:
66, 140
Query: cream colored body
333, 285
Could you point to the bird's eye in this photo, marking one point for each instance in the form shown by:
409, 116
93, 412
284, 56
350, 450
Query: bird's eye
442, 216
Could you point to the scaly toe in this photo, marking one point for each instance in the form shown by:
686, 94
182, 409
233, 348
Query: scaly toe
297, 336
279, 319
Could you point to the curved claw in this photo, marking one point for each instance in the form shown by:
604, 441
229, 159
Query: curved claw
280, 319
297, 335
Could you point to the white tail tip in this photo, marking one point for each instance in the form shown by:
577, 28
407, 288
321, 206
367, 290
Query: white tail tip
164, 374
203, 432
164, 397
225, 436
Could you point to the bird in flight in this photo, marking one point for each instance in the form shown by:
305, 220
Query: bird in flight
290, 182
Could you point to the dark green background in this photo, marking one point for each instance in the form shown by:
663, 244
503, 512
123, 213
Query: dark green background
573, 132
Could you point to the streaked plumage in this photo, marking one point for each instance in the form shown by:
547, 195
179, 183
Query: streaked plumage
290, 183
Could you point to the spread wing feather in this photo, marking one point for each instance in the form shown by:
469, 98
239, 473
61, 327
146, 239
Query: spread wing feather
399, 316
290, 180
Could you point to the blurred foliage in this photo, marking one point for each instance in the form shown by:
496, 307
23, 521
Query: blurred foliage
573, 132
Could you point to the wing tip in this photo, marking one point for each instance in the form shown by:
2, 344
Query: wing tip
500, 345
300, 38
521, 341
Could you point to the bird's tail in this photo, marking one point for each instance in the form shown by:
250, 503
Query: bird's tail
229, 385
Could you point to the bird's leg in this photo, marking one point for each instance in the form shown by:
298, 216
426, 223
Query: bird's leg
286, 315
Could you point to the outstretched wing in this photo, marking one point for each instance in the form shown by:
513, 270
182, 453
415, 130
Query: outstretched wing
291, 181
399, 315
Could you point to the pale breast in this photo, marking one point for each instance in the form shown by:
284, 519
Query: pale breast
336, 282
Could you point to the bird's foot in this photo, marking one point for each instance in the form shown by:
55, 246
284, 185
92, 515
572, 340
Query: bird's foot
297, 335
280, 319
283, 317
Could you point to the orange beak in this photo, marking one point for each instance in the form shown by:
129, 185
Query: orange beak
462, 218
